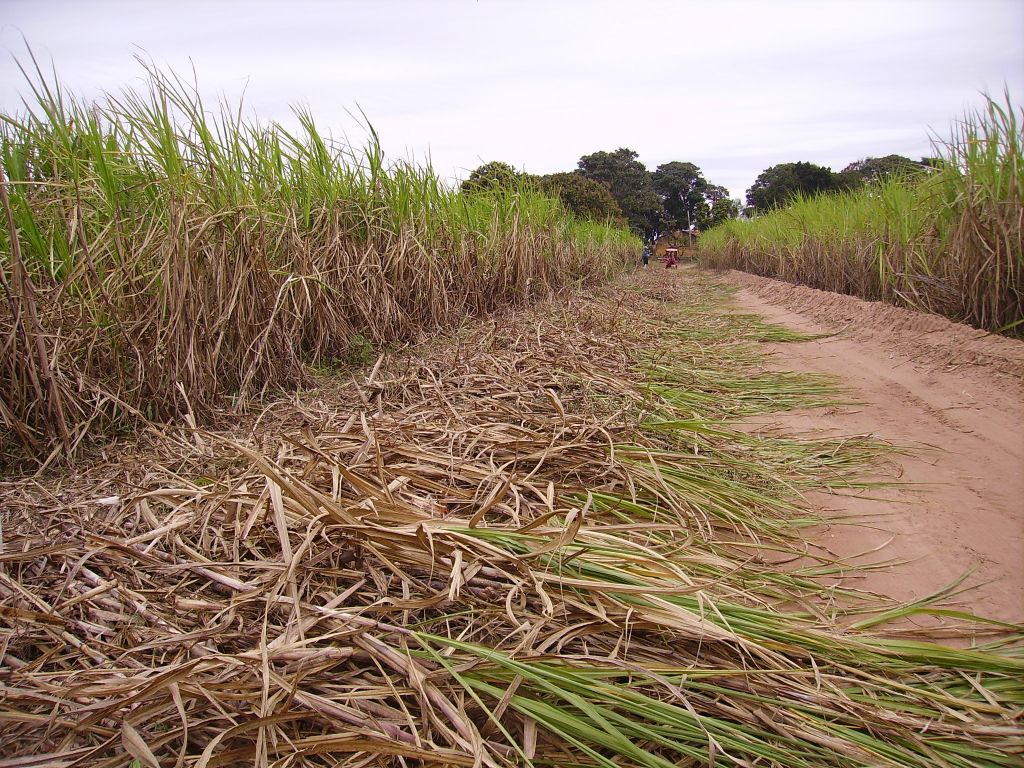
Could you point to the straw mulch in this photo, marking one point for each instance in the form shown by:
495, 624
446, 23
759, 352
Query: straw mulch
478, 553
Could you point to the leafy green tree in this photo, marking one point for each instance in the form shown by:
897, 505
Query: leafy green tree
874, 169
630, 184
723, 208
583, 196
493, 175
645, 214
684, 191
778, 185
690, 199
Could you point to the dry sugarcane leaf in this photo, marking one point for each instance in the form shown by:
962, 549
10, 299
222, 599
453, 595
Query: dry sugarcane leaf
136, 746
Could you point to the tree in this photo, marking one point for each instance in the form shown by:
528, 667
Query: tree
493, 175
871, 170
722, 209
778, 185
645, 213
583, 196
691, 200
684, 190
630, 184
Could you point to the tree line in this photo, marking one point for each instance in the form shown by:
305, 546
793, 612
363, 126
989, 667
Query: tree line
775, 187
676, 195
617, 186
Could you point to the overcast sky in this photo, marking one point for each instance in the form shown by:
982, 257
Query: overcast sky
732, 86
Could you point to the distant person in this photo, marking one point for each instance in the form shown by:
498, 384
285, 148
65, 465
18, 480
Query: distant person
670, 260
646, 255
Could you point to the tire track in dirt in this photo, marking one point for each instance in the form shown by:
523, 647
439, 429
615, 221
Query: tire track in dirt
956, 396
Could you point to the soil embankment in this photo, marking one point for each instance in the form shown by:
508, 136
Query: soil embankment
952, 394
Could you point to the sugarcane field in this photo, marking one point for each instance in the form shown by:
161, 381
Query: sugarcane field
314, 453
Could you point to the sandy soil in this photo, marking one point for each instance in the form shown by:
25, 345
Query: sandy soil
953, 394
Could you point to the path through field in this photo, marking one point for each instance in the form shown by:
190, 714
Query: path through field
952, 395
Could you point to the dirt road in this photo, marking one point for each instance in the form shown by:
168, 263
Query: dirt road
952, 394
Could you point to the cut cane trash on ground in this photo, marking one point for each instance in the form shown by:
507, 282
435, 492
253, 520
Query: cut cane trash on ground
540, 539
